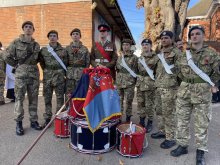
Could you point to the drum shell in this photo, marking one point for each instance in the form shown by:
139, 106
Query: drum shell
130, 144
61, 126
103, 140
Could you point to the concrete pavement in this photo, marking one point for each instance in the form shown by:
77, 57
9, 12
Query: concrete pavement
55, 151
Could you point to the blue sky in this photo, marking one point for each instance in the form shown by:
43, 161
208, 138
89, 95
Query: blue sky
135, 17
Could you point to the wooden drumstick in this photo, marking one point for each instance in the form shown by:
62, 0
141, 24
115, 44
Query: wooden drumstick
42, 132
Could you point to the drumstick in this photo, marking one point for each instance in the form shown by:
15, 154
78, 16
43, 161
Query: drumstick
42, 132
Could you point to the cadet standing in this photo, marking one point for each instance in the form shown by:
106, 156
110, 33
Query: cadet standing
126, 67
145, 84
78, 58
22, 54
166, 82
199, 70
53, 61
103, 53
2, 76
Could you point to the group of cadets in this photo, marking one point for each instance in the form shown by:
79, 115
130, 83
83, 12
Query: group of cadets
165, 79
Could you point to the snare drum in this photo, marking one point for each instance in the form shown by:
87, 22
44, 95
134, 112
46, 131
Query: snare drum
61, 125
83, 140
130, 144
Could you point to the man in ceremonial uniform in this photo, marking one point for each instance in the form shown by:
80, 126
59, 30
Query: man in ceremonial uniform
126, 67
167, 84
145, 84
53, 61
199, 71
23, 55
2, 76
78, 58
103, 53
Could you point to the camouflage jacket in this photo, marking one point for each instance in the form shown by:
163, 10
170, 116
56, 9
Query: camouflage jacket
110, 49
17, 51
2, 65
163, 79
51, 67
123, 78
78, 58
205, 59
144, 82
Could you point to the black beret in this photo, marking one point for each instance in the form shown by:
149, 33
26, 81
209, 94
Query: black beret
147, 41
75, 30
196, 27
27, 23
127, 41
166, 33
103, 27
52, 31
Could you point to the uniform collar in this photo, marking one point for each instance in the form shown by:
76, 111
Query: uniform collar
144, 54
167, 50
200, 50
76, 44
22, 39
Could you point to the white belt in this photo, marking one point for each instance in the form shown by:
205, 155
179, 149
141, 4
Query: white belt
101, 60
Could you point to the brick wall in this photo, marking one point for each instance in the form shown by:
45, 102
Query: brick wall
62, 17
215, 26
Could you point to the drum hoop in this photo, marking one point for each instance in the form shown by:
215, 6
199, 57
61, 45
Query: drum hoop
62, 117
143, 130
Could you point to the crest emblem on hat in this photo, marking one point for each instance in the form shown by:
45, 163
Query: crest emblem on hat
164, 33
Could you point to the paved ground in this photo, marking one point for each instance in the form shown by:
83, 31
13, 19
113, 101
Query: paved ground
55, 151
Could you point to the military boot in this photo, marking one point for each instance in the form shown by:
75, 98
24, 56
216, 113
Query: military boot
46, 122
166, 144
200, 159
19, 128
149, 126
128, 118
180, 150
2, 102
158, 135
142, 121
35, 125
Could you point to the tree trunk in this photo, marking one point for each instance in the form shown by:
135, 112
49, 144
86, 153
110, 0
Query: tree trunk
163, 15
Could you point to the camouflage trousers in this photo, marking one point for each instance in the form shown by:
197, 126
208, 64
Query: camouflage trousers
48, 88
145, 103
158, 109
2, 86
31, 86
126, 94
168, 100
193, 99
71, 85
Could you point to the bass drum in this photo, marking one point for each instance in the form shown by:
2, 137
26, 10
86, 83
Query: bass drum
101, 141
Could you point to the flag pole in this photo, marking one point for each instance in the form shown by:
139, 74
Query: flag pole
42, 132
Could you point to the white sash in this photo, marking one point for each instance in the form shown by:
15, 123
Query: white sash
165, 65
50, 49
149, 71
198, 71
123, 64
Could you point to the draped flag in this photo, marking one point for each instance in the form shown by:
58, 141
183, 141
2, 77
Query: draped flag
102, 100
79, 95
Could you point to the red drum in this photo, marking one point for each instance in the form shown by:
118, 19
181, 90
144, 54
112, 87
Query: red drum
61, 125
130, 144
83, 140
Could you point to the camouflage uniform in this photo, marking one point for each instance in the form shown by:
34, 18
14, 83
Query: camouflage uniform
126, 82
26, 75
53, 77
77, 59
2, 78
194, 96
96, 55
146, 87
167, 87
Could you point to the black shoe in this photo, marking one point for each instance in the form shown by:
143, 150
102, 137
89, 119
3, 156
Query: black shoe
46, 122
35, 125
179, 151
149, 126
200, 159
158, 135
128, 118
19, 128
142, 121
12, 101
166, 144
2, 102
